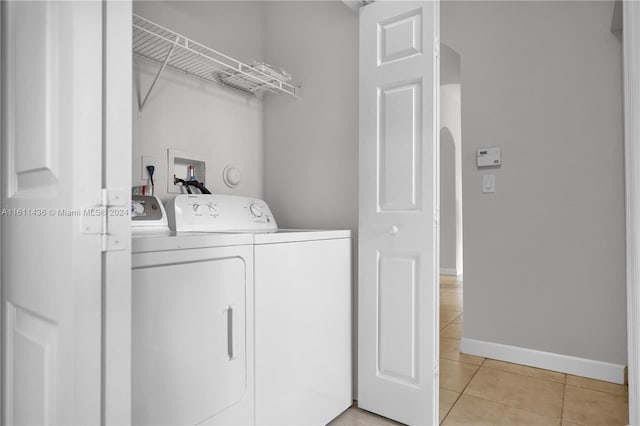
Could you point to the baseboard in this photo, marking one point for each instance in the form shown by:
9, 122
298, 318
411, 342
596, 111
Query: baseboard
448, 271
548, 360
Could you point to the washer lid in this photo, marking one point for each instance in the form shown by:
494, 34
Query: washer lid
296, 235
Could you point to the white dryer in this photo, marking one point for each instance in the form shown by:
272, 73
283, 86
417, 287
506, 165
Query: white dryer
192, 327
302, 309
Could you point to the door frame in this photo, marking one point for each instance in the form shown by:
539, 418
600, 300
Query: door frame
631, 67
1, 286
116, 175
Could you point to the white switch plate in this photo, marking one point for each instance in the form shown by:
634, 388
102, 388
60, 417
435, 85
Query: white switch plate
148, 160
488, 184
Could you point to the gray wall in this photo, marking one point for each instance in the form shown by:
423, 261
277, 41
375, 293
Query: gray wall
544, 255
219, 125
311, 144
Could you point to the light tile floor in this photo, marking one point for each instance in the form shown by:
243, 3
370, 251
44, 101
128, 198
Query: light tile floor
479, 391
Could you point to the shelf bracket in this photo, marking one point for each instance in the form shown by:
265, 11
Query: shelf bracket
155, 80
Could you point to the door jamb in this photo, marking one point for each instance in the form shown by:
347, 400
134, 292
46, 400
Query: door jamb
631, 58
2, 373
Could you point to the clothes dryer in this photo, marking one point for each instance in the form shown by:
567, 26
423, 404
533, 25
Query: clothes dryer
192, 360
302, 307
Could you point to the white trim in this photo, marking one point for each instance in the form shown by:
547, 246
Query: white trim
354, 5
2, 167
448, 271
548, 360
116, 169
631, 46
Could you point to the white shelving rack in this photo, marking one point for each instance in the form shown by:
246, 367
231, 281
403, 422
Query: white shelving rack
170, 49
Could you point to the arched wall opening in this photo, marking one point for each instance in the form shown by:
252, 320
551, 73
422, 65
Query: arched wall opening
451, 248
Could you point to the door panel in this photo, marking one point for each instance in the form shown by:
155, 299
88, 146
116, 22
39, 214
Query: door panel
51, 138
398, 233
397, 326
32, 147
399, 147
31, 348
400, 36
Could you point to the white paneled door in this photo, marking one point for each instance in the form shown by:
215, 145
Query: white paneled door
54, 225
398, 231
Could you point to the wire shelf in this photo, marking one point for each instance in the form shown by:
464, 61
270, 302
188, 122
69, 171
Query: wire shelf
170, 49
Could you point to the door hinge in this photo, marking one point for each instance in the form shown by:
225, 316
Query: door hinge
110, 220
436, 368
436, 218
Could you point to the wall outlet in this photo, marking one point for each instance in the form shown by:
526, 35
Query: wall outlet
148, 160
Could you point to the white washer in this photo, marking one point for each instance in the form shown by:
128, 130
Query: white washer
193, 340
303, 373
303, 326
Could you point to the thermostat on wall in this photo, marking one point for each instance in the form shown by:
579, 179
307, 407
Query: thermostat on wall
487, 157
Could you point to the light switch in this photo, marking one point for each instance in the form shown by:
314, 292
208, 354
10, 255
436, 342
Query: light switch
488, 184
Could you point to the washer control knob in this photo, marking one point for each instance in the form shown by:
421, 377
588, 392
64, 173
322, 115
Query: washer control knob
196, 208
137, 209
255, 210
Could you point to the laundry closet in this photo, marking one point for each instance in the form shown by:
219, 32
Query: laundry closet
280, 149
298, 153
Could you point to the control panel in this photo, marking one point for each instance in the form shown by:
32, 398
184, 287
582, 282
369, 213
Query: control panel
147, 212
489, 157
219, 213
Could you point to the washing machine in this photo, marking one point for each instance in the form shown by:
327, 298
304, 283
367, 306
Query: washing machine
302, 308
303, 326
193, 337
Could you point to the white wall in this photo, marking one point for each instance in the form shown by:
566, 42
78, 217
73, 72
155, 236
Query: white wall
220, 125
447, 203
451, 242
544, 255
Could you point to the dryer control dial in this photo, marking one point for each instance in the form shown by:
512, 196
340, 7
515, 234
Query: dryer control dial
255, 210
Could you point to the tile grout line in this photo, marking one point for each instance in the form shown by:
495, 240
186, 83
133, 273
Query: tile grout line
564, 398
462, 392
440, 357
598, 390
524, 375
467, 385
514, 408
